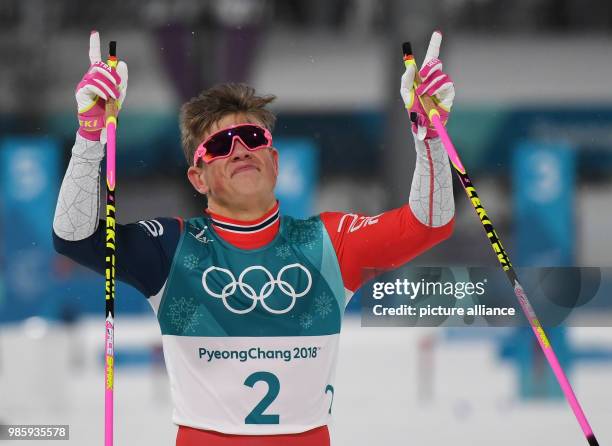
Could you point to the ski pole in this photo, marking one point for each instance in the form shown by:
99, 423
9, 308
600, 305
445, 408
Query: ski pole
109, 344
500, 252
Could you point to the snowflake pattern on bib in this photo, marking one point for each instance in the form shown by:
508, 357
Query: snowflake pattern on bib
323, 305
283, 251
305, 320
184, 314
306, 233
190, 261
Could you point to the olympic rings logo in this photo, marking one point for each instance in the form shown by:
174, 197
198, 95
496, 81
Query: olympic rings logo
268, 288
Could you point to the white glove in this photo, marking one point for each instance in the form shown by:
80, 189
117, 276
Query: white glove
98, 85
435, 83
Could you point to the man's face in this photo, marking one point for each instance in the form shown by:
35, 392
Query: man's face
242, 178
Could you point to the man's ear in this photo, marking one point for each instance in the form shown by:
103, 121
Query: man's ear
197, 179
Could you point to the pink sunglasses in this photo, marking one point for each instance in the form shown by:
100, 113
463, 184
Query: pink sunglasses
221, 144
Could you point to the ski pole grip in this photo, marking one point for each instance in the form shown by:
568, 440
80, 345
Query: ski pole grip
111, 105
428, 103
112, 54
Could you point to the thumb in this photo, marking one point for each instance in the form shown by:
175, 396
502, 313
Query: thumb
407, 84
122, 71
94, 47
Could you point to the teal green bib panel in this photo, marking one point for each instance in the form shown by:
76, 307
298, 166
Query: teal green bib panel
290, 287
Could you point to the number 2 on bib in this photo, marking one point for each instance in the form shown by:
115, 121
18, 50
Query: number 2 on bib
257, 416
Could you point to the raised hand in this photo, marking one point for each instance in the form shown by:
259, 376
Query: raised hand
99, 84
435, 83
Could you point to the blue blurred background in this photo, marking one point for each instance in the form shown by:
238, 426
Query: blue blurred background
532, 121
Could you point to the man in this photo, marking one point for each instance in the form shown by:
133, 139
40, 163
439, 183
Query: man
249, 303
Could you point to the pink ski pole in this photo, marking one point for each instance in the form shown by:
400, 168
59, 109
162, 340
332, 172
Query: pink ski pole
501, 254
109, 343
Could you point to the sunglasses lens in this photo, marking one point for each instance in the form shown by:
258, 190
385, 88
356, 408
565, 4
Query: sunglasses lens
219, 145
253, 136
